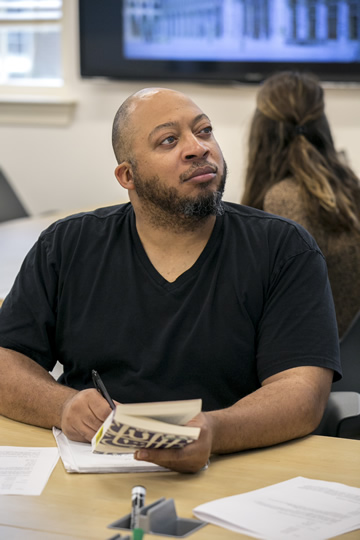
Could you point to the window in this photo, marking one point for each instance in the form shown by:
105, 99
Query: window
354, 20
332, 20
312, 20
30, 43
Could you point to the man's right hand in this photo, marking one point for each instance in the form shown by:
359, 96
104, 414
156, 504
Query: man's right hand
83, 414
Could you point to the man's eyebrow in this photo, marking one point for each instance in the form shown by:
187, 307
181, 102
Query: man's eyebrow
175, 124
162, 126
201, 116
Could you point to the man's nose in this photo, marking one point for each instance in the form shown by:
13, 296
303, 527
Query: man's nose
195, 149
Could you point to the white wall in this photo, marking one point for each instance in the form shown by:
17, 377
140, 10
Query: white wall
70, 167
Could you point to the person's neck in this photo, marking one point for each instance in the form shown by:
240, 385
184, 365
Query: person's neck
173, 250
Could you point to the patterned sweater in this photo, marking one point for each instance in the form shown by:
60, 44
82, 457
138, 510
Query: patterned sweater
341, 250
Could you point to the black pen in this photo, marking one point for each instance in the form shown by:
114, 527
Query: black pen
100, 387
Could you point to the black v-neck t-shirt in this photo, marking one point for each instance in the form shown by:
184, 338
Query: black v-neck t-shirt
256, 302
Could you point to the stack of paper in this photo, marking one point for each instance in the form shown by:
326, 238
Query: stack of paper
78, 457
299, 508
25, 470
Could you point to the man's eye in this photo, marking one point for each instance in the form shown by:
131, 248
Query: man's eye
168, 140
207, 130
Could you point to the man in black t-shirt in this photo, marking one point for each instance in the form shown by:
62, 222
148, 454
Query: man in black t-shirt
174, 295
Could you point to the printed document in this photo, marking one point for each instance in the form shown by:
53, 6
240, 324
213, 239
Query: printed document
78, 457
25, 471
299, 508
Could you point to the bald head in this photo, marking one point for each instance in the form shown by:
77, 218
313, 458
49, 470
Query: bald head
124, 125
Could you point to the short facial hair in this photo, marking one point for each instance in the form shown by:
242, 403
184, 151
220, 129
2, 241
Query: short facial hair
166, 208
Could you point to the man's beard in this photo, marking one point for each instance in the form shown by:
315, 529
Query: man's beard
166, 208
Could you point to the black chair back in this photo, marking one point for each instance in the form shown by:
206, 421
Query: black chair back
10, 204
350, 359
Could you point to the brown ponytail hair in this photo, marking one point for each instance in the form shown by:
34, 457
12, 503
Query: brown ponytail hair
290, 138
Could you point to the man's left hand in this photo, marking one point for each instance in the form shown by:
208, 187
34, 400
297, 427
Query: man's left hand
189, 459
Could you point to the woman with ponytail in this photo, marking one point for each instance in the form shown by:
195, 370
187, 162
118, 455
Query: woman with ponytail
295, 171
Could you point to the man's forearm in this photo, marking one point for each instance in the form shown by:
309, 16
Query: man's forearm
286, 408
28, 393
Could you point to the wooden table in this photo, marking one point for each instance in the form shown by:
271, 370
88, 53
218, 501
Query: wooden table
74, 506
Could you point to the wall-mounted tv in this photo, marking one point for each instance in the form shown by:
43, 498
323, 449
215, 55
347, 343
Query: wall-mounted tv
219, 41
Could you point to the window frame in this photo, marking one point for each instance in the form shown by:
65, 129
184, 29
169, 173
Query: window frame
38, 104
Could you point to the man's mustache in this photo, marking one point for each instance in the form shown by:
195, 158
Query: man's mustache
202, 167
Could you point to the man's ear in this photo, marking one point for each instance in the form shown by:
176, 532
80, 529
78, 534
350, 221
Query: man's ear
124, 175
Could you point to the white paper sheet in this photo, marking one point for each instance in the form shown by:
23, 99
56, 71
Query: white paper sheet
299, 508
25, 471
78, 457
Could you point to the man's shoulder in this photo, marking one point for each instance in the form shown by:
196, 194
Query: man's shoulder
260, 216
254, 217
87, 221
257, 222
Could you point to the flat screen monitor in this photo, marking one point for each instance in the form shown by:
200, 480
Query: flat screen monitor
219, 41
